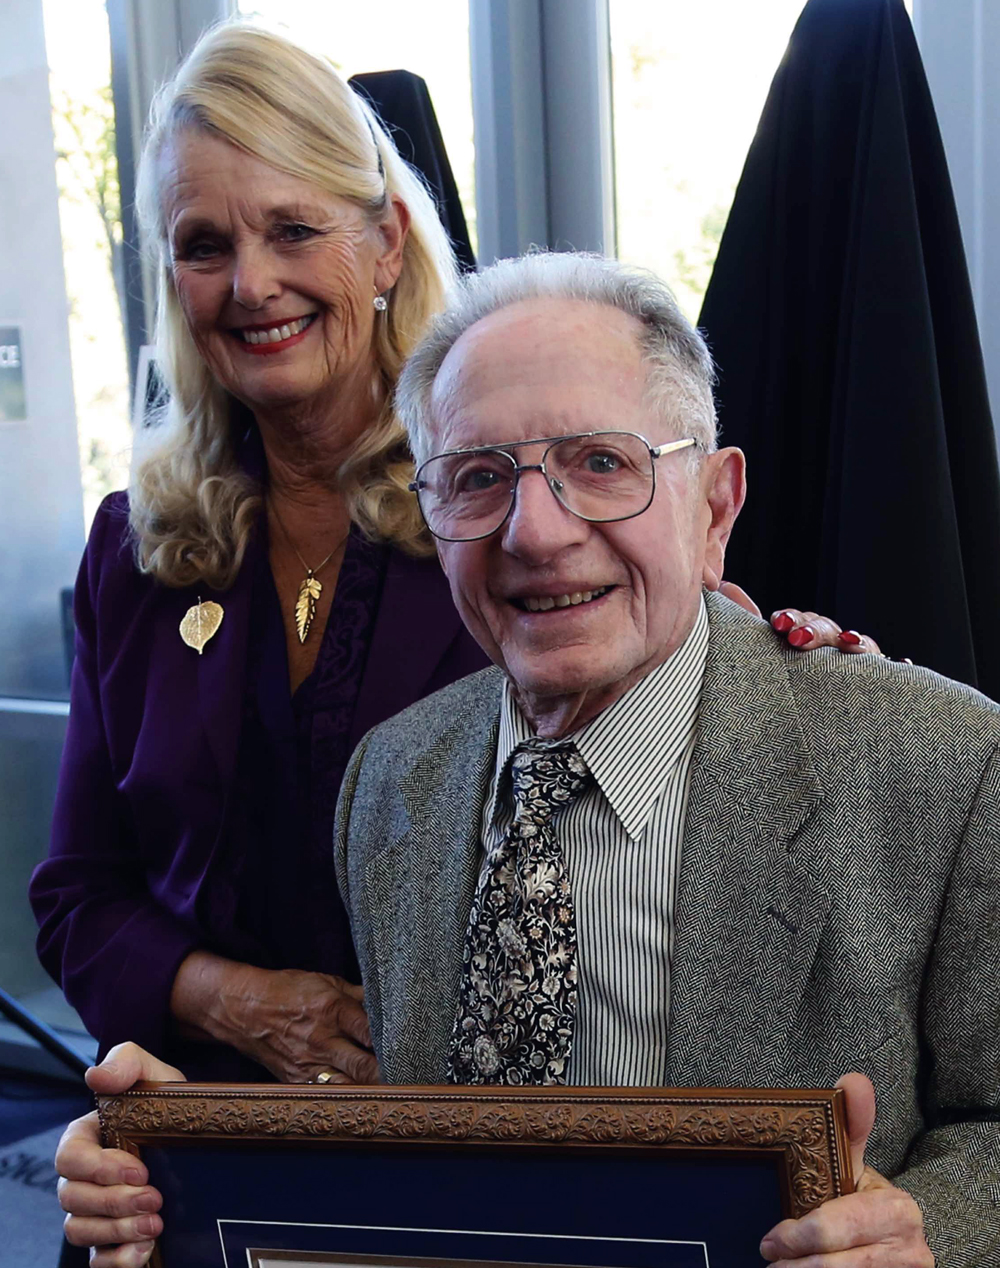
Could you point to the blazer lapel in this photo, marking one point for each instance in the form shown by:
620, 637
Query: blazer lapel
750, 903
424, 882
222, 666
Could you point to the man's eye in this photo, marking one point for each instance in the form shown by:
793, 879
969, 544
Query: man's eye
478, 481
603, 463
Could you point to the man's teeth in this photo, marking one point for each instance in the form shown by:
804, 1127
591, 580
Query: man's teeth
276, 333
563, 600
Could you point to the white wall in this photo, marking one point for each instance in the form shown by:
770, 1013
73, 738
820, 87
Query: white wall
41, 505
960, 45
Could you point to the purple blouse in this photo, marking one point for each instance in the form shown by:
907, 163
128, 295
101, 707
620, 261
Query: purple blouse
196, 797
292, 757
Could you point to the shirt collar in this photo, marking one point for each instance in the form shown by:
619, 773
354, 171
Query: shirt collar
632, 746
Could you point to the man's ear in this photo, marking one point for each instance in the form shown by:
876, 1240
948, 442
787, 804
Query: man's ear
392, 231
724, 487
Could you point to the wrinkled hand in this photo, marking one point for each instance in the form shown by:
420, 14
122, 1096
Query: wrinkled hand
878, 1226
805, 631
105, 1193
297, 1024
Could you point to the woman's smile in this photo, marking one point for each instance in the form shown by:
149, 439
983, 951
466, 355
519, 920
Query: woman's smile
264, 339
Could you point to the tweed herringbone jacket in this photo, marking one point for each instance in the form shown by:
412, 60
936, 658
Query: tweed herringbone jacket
838, 903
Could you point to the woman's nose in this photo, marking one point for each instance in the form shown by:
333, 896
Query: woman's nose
254, 277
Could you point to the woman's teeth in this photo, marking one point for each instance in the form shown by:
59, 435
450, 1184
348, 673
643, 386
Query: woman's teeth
277, 333
563, 600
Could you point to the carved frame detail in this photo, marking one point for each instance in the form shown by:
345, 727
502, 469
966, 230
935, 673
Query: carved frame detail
805, 1126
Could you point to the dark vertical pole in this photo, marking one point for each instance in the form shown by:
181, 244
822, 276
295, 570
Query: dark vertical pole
136, 332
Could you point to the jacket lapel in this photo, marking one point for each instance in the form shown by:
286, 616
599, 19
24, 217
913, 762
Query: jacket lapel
751, 903
222, 666
425, 881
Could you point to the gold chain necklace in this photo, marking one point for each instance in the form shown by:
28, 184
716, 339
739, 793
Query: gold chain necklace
310, 589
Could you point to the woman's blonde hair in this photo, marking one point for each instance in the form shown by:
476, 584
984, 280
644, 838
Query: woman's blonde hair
192, 506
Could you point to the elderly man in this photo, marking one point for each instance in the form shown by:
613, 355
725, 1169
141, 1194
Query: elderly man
653, 847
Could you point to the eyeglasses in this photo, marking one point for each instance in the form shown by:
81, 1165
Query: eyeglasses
599, 476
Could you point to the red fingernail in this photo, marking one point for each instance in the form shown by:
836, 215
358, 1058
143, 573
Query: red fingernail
850, 636
782, 622
801, 636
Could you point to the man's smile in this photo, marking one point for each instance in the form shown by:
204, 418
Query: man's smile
551, 601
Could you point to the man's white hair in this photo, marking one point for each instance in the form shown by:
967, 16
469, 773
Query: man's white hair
680, 373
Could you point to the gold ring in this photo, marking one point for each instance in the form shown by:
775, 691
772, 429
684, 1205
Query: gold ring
324, 1076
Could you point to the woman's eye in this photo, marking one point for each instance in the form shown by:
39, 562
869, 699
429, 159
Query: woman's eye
202, 249
295, 232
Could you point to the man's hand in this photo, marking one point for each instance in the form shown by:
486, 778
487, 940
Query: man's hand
878, 1226
105, 1192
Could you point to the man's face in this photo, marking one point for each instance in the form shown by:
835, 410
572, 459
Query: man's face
550, 368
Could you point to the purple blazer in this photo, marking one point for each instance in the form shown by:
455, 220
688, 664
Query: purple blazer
150, 758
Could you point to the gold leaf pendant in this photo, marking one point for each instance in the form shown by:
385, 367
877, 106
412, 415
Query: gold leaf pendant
200, 623
305, 606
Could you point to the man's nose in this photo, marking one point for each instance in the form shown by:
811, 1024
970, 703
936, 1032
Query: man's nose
254, 276
539, 526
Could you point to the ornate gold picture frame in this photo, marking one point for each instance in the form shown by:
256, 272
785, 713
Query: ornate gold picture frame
395, 1171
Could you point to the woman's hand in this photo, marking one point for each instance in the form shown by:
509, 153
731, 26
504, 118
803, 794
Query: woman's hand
105, 1193
295, 1024
805, 630
298, 1024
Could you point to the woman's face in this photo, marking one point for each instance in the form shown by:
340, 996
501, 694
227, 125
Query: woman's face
275, 277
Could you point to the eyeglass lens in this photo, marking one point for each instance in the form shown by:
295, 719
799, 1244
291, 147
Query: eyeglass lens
607, 476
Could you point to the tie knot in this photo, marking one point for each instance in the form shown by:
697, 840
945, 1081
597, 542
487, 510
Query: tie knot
545, 780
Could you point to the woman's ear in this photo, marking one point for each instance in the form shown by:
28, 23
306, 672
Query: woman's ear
724, 488
392, 230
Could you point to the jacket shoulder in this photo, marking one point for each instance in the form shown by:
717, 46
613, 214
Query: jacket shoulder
885, 695
110, 539
425, 724
833, 688
858, 711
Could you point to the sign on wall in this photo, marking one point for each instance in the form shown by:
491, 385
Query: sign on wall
13, 407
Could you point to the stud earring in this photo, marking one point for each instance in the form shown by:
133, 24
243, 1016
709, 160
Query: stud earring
380, 303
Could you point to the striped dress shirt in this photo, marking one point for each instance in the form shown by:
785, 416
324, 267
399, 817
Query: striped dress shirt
622, 842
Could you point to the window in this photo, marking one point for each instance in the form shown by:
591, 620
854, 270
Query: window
83, 124
689, 85
400, 37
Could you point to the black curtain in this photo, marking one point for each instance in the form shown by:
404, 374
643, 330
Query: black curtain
402, 102
841, 319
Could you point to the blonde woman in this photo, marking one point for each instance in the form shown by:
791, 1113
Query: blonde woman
189, 900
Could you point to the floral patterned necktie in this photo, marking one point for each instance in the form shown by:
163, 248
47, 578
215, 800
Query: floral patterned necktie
517, 1002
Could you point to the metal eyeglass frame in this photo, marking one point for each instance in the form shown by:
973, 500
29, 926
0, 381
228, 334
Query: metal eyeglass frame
655, 451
